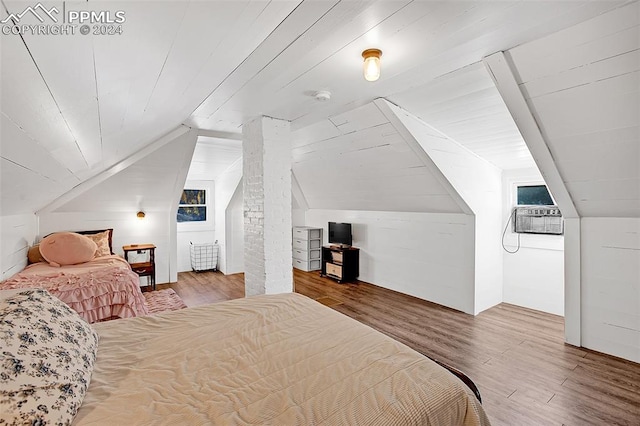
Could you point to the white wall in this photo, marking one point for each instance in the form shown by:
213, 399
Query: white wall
427, 255
581, 85
534, 275
611, 286
17, 234
235, 233
150, 180
127, 229
196, 232
298, 217
225, 187
479, 183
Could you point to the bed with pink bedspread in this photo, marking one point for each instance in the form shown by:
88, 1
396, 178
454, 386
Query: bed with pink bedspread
103, 288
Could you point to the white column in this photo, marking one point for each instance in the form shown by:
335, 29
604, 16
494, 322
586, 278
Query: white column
572, 282
266, 153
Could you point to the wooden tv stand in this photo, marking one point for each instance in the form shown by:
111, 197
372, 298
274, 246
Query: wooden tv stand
340, 263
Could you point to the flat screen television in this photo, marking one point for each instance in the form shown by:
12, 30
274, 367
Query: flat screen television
340, 233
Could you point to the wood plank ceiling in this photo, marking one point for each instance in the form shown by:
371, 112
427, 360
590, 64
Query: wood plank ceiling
213, 156
372, 167
75, 105
466, 106
583, 84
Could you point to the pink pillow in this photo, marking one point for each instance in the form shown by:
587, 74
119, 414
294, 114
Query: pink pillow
67, 248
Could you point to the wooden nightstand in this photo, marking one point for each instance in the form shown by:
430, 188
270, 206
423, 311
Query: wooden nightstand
143, 269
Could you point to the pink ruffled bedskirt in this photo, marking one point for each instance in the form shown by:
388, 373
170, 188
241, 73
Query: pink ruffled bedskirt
98, 290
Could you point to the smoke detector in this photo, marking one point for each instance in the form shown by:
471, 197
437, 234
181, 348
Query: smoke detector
323, 95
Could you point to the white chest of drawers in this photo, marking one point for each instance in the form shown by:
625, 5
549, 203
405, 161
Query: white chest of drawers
307, 248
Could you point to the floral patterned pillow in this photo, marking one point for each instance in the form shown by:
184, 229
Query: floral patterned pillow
47, 352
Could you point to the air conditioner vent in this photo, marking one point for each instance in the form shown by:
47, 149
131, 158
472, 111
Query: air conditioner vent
538, 220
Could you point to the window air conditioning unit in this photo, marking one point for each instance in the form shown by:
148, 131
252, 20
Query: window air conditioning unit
538, 220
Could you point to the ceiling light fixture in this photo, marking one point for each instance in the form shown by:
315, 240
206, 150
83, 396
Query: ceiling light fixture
372, 64
140, 214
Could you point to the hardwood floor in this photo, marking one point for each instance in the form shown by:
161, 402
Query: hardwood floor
516, 356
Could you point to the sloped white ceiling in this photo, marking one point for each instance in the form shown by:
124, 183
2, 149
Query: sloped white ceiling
148, 184
29, 176
583, 86
466, 106
83, 103
358, 160
213, 156
319, 46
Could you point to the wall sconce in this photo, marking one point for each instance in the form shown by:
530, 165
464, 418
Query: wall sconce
372, 64
140, 215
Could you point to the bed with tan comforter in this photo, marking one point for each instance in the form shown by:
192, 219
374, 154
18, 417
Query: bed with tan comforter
267, 360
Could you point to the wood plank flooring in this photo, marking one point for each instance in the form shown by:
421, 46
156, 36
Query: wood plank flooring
516, 356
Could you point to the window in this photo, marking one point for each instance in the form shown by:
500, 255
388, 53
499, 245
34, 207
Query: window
192, 206
535, 195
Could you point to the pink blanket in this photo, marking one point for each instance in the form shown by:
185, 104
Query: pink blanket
100, 289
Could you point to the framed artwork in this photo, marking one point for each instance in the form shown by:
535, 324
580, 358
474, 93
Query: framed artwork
192, 206
194, 197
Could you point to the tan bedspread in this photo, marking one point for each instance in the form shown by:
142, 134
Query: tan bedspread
267, 360
102, 288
